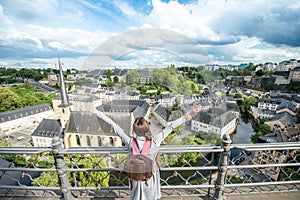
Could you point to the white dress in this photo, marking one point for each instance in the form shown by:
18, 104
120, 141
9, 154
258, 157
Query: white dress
140, 191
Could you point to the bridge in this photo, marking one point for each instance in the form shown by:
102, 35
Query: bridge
264, 171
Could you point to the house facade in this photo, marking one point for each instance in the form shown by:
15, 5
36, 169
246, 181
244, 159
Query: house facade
30, 115
80, 102
43, 135
295, 74
86, 129
214, 120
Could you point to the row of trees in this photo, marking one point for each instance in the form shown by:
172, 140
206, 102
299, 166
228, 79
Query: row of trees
170, 79
16, 97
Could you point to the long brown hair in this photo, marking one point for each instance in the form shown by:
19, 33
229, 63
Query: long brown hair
141, 127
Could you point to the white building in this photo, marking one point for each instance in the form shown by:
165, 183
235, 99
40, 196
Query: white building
25, 116
80, 102
214, 120
45, 132
269, 104
167, 100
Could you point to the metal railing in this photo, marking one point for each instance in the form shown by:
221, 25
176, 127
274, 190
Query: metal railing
202, 171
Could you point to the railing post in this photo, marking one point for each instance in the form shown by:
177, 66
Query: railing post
61, 169
222, 168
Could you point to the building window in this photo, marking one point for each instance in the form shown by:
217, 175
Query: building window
88, 140
78, 140
111, 140
99, 141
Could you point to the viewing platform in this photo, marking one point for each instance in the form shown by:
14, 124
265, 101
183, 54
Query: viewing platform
229, 172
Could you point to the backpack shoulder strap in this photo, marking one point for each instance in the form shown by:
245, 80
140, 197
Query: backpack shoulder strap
135, 148
146, 147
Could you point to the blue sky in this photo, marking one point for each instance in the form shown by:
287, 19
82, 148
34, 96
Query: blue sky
137, 33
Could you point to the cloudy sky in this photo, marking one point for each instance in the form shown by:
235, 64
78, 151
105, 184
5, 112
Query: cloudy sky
138, 33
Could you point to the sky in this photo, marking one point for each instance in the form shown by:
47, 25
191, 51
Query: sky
147, 33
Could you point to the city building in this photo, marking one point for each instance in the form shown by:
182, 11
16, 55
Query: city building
145, 76
214, 120
167, 100
80, 102
25, 116
124, 112
164, 116
295, 74
86, 129
43, 135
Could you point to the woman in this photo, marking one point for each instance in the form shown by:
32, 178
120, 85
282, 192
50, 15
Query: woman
140, 190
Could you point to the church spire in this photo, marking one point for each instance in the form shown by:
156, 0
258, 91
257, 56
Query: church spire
63, 90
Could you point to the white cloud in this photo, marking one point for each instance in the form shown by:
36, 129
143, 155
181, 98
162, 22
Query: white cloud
125, 8
230, 31
180, 18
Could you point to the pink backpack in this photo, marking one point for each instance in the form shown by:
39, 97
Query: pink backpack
139, 166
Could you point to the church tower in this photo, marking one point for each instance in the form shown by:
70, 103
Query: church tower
65, 106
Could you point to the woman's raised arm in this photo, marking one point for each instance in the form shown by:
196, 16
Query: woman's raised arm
158, 138
117, 129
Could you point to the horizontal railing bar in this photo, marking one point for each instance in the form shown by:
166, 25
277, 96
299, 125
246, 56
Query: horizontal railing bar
24, 150
21, 169
100, 188
162, 169
270, 148
126, 187
29, 187
189, 168
164, 149
263, 183
281, 144
263, 166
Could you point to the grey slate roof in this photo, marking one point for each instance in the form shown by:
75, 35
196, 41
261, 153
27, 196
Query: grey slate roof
24, 112
296, 98
79, 97
266, 112
270, 100
48, 128
113, 109
285, 118
286, 104
88, 123
121, 105
216, 117
120, 72
232, 106
166, 114
145, 73
296, 69
271, 138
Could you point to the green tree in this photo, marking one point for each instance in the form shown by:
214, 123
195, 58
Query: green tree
9, 100
213, 138
82, 81
238, 95
261, 129
81, 178
250, 101
116, 79
132, 77
251, 67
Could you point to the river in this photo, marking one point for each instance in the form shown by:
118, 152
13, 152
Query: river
243, 133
